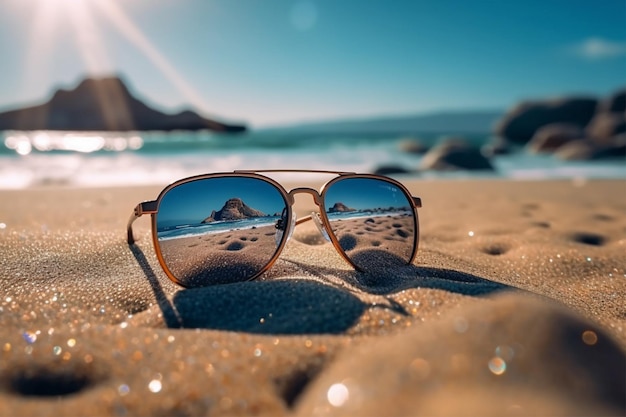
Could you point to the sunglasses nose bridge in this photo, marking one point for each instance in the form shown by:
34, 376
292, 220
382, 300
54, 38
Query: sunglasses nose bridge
317, 198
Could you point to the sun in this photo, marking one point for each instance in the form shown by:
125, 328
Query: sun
67, 3
49, 18
85, 18
57, 10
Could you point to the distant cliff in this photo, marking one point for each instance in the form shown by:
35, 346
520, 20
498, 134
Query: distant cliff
104, 104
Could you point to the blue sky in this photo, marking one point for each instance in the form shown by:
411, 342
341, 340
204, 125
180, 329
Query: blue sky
209, 195
273, 62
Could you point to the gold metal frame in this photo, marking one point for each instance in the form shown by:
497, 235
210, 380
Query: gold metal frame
152, 207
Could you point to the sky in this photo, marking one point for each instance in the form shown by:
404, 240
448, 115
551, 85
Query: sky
194, 201
281, 62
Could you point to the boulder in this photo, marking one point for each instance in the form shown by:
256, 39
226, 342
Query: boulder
578, 150
616, 103
455, 154
586, 149
391, 170
521, 123
616, 149
550, 137
606, 126
413, 146
496, 146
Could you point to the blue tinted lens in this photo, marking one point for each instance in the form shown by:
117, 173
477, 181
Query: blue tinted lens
373, 221
219, 230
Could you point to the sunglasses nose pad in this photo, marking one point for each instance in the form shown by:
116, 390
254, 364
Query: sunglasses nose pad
281, 227
320, 225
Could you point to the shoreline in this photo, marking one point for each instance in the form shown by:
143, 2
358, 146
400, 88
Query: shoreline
454, 177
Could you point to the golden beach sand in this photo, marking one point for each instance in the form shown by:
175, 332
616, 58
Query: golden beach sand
513, 306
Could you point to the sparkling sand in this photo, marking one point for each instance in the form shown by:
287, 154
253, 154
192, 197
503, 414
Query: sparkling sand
514, 306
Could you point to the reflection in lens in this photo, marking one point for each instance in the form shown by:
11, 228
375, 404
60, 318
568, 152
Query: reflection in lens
219, 230
373, 222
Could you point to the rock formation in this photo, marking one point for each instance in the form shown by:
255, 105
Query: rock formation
233, 209
572, 128
413, 146
551, 137
340, 208
392, 169
522, 122
455, 154
104, 104
605, 126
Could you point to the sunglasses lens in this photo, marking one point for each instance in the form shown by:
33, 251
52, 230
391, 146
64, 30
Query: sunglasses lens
373, 221
220, 230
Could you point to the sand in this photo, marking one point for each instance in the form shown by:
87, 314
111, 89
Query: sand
220, 258
371, 243
513, 306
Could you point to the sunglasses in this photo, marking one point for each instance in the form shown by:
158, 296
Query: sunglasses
231, 227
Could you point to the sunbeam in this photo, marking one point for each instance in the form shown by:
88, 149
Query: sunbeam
50, 17
88, 39
116, 15
114, 108
40, 43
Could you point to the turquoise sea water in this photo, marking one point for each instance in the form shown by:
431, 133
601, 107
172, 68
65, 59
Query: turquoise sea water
103, 159
201, 229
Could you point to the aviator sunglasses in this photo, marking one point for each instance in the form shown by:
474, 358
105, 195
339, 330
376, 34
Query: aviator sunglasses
231, 227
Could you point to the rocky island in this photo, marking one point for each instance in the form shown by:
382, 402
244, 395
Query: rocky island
339, 207
104, 104
233, 209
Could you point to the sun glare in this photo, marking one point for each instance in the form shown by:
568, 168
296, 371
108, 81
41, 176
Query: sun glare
40, 41
49, 18
116, 15
67, 3
88, 38
83, 18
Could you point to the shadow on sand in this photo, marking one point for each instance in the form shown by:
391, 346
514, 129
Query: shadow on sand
298, 305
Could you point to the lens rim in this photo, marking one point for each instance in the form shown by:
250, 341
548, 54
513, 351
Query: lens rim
331, 233
287, 198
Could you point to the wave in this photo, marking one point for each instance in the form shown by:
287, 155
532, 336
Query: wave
202, 229
42, 158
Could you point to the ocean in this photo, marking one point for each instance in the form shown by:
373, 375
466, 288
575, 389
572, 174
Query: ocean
95, 159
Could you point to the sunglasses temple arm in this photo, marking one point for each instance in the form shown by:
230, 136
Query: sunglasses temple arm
130, 238
147, 207
417, 201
